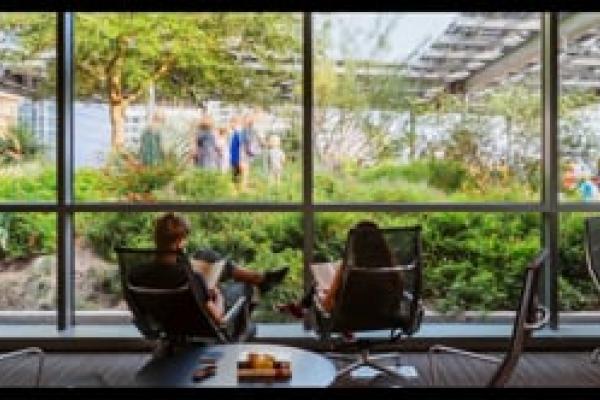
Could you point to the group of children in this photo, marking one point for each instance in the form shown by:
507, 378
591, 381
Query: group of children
223, 148
234, 146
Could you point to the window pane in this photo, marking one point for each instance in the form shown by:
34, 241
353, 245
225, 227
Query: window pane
28, 265
27, 106
259, 241
415, 107
576, 289
472, 261
194, 106
579, 104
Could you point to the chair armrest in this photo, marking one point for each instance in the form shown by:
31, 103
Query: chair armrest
541, 321
233, 312
406, 267
28, 351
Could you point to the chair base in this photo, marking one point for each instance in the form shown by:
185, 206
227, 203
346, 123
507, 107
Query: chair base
595, 356
366, 359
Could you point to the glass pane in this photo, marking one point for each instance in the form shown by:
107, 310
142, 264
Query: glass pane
28, 265
472, 261
188, 107
579, 104
259, 241
413, 107
27, 106
576, 289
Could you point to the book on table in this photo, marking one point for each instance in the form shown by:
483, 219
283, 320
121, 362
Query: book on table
211, 272
324, 273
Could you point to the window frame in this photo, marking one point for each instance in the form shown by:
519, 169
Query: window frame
66, 207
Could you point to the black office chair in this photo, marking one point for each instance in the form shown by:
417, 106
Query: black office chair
529, 316
378, 297
592, 256
176, 315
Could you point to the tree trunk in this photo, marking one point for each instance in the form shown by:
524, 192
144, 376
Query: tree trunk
117, 116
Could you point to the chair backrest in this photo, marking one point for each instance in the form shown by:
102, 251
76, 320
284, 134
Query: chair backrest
385, 294
592, 248
161, 310
529, 317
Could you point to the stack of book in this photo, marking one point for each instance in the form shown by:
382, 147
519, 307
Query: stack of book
263, 366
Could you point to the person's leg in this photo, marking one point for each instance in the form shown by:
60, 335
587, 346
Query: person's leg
265, 281
244, 171
232, 292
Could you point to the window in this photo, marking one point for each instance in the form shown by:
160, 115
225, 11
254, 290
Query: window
258, 241
408, 109
27, 106
162, 98
440, 120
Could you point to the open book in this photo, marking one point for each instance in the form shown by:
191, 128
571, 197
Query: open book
324, 273
210, 271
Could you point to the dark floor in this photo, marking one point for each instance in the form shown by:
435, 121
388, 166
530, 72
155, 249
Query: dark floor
119, 369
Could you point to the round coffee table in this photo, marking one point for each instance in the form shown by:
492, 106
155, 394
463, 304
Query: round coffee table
308, 369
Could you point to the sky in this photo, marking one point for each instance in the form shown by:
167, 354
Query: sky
352, 33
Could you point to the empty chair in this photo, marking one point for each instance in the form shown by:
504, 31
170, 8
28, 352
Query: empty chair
177, 314
8, 360
378, 292
529, 317
592, 256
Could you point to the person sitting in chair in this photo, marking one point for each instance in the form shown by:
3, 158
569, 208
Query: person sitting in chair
369, 249
170, 235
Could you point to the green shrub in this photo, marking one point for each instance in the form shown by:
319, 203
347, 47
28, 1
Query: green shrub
27, 234
29, 182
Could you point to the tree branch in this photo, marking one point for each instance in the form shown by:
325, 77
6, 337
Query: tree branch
160, 71
94, 71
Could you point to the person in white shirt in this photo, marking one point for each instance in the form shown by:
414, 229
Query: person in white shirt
275, 159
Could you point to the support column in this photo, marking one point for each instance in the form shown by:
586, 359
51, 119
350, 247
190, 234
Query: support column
550, 156
307, 150
64, 108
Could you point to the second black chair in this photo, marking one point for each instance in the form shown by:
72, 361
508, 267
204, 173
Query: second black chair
378, 297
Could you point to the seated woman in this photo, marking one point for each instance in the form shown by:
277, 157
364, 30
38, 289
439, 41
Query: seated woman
367, 249
170, 235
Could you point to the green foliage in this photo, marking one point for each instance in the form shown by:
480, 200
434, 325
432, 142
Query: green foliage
27, 234
30, 182
18, 145
203, 184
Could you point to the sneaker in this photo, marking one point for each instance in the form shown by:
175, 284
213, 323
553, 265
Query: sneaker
293, 309
272, 278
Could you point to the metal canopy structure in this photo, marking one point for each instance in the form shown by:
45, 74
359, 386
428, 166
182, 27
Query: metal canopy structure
482, 50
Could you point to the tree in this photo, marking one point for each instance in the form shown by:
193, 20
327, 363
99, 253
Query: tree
195, 56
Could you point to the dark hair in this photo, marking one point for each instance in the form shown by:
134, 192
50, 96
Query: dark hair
168, 229
367, 247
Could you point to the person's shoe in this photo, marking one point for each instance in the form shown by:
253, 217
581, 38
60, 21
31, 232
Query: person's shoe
272, 278
294, 309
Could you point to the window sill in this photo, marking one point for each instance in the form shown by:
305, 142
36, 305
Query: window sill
475, 336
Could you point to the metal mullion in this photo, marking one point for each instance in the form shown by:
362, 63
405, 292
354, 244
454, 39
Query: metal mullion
28, 207
65, 231
579, 207
185, 207
307, 149
550, 161
429, 207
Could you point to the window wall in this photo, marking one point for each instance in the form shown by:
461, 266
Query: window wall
275, 132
